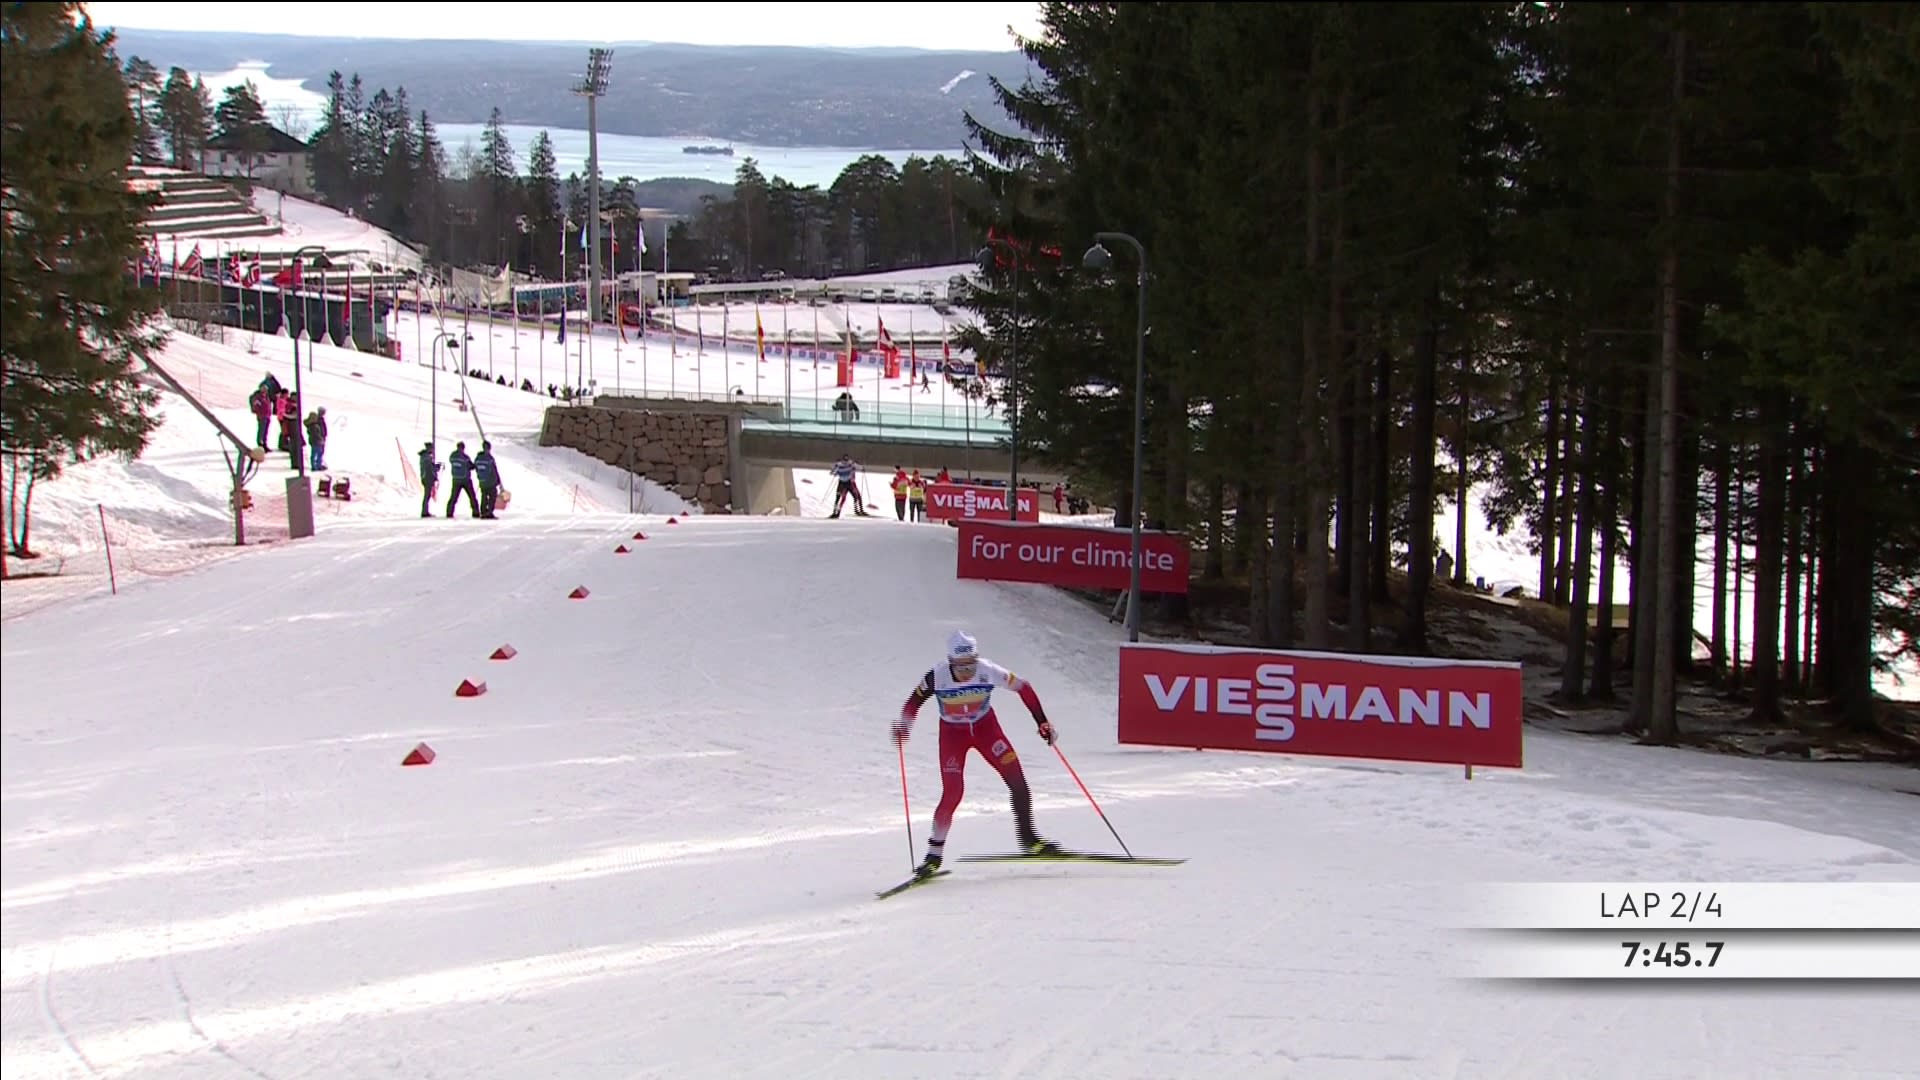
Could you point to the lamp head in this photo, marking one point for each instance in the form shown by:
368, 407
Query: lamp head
1097, 258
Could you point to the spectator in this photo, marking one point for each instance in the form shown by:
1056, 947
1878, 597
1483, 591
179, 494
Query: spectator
916, 497
1443, 566
944, 477
488, 474
280, 415
1059, 498
317, 439
429, 479
290, 428
262, 403
899, 485
461, 469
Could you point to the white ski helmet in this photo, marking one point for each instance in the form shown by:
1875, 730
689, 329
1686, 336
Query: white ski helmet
961, 648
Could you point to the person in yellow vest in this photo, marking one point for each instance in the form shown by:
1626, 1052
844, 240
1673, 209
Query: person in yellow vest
899, 486
917, 497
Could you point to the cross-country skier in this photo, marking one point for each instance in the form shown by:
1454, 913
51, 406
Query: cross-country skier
964, 683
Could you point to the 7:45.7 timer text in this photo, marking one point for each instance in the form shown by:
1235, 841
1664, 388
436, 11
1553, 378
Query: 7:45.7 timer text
1677, 955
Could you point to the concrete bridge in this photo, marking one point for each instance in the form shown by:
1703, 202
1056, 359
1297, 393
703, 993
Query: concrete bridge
775, 435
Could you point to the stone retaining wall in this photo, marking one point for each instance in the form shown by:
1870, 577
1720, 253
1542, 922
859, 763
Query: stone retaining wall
684, 452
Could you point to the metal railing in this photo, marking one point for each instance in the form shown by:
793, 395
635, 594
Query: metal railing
955, 419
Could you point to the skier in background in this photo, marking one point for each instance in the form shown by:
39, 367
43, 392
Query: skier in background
844, 471
964, 683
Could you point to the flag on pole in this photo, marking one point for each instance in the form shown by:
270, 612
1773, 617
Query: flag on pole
759, 334
889, 354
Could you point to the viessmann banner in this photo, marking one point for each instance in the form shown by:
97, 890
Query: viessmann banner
1461, 712
1077, 556
946, 502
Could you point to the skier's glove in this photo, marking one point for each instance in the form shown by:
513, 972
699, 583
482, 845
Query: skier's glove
1046, 731
901, 728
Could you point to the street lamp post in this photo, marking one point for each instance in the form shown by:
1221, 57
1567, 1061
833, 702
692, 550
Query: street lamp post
299, 485
433, 380
1098, 258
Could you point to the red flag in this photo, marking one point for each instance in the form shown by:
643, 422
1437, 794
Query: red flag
889, 353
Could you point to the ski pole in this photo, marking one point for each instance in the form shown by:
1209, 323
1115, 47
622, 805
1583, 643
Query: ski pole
901, 745
1091, 799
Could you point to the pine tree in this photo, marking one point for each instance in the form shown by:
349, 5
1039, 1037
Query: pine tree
332, 146
74, 324
240, 122
498, 189
429, 185
186, 116
542, 231
143, 87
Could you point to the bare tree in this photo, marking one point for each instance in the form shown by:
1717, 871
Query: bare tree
291, 120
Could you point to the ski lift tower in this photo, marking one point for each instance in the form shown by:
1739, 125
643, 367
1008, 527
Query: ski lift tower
593, 87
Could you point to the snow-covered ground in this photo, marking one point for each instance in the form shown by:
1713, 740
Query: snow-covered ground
650, 848
167, 511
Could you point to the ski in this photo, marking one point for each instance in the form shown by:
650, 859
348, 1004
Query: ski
1072, 856
910, 883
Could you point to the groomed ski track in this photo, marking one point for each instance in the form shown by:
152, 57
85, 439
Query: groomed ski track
650, 849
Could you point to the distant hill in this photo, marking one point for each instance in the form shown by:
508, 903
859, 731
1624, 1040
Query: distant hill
873, 98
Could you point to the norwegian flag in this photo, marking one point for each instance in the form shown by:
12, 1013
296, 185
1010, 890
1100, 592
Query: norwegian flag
889, 352
193, 264
244, 270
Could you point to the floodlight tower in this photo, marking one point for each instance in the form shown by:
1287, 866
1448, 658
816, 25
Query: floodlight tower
592, 87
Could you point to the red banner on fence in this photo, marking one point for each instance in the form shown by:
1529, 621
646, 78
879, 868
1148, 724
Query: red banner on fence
946, 502
1459, 712
1077, 556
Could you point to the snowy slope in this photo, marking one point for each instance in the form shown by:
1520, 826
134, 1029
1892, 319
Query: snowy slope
301, 222
379, 413
650, 848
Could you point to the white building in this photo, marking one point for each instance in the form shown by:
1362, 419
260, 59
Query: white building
283, 163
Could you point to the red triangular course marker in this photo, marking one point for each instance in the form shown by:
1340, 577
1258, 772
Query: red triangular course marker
673, 521
622, 550
639, 536
469, 688
579, 593
504, 652
419, 755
